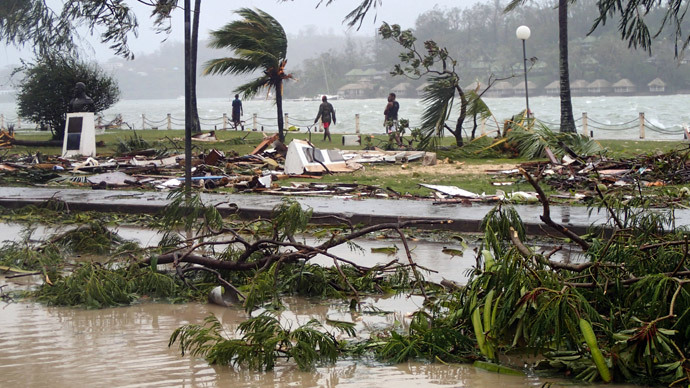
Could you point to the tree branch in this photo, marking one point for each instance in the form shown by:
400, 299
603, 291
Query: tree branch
546, 216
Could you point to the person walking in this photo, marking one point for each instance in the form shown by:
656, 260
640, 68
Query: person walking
326, 113
237, 111
391, 114
390, 121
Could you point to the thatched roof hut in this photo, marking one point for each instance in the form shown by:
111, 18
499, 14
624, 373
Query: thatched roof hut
600, 86
657, 86
519, 88
624, 86
357, 90
553, 89
579, 87
501, 89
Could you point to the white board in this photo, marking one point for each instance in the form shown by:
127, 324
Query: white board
80, 135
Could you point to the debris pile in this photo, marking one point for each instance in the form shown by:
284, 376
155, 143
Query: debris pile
583, 175
143, 166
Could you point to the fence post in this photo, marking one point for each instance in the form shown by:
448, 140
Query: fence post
253, 121
585, 126
287, 122
225, 121
356, 122
483, 127
169, 122
641, 125
143, 120
2, 121
99, 122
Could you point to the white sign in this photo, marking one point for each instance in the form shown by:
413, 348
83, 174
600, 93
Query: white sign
80, 135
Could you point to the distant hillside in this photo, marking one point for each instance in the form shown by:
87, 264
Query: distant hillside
160, 74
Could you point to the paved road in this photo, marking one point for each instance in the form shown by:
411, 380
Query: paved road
367, 211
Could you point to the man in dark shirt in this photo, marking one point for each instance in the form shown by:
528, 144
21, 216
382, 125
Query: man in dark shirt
326, 112
391, 114
391, 118
237, 111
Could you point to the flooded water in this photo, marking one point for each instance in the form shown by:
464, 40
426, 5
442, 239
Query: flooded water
127, 347
57, 347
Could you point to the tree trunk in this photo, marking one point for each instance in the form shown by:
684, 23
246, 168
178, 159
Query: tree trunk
474, 127
461, 119
279, 105
196, 124
567, 121
187, 100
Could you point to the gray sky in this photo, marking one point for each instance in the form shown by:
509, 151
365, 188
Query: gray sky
293, 15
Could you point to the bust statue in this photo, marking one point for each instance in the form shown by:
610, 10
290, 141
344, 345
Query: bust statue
81, 102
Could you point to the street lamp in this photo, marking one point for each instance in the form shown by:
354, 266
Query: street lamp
523, 34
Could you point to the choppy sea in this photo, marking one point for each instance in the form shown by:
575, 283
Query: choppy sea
608, 117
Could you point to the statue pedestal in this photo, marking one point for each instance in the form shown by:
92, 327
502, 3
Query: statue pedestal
80, 135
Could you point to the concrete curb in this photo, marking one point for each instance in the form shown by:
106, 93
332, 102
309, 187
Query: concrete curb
465, 219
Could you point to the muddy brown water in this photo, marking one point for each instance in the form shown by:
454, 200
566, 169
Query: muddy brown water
43, 346
128, 347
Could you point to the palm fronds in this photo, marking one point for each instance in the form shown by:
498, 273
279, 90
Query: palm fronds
264, 341
259, 43
532, 142
438, 98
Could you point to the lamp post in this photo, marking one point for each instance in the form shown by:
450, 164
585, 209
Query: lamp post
523, 34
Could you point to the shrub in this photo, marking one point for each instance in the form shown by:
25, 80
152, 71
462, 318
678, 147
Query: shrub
48, 87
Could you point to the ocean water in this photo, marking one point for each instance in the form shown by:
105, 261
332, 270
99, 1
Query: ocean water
608, 117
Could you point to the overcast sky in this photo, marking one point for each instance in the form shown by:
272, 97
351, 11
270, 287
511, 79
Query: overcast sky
293, 15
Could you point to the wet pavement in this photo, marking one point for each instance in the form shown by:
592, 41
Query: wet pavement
366, 211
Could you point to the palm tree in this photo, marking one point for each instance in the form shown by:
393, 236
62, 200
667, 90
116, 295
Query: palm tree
259, 43
567, 119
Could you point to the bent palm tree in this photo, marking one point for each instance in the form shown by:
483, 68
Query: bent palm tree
259, 43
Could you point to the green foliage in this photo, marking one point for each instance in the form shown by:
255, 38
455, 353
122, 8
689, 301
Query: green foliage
263, 342
48, 86
94, 238
55, 212
310, 280
23, 256
289, 218
443, 84
93, 285
497, 224
634, 21
532, 142
636, 316
46, 30
131, 143
190, 214
427, 339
